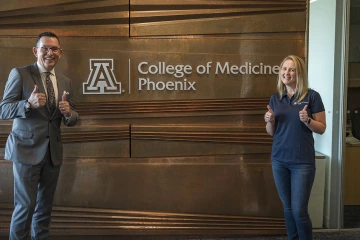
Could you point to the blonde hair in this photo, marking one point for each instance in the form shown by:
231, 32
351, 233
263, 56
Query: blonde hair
301, 78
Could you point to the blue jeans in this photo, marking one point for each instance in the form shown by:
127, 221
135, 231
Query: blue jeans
294, 182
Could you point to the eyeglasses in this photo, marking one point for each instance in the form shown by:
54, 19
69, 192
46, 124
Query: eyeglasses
47, 49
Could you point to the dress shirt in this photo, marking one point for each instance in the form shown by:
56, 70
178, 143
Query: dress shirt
43, 71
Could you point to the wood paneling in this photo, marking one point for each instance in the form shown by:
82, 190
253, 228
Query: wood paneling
204, 106
351, 176
197, 188
67, 18
169, 17
161, 162
198, 140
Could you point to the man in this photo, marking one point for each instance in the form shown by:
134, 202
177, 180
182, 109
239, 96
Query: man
38, 99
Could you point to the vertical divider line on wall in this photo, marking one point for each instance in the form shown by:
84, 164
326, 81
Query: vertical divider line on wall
342, 109
130, 140
129, 80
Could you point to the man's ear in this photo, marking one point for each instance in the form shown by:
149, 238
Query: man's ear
35, 51
60, 53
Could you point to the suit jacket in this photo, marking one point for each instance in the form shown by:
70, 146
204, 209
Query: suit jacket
32, 132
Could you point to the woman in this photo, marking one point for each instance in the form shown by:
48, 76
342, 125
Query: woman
294, 113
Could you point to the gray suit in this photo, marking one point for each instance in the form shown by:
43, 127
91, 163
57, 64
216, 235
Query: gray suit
35, 148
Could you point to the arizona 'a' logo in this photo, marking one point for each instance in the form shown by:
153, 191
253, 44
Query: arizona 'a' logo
101, 78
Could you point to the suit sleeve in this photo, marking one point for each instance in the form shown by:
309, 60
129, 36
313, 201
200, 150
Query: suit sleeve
12, 105
72, 120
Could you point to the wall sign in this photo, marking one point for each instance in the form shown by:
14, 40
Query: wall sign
102, 80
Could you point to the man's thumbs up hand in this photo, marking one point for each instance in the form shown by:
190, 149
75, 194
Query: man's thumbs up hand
36, 98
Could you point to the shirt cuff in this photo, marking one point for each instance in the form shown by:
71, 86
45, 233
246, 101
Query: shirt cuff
68, 118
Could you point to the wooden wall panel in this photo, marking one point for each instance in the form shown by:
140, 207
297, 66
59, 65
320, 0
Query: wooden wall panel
198, 140
89, 141
160, 162
24, 4
194, 52
67, 18
258, 48
169, 17
198, 195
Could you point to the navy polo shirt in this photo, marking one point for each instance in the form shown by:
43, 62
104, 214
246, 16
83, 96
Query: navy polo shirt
293, 140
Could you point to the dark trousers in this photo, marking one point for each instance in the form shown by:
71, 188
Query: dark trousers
34, 190
294, 183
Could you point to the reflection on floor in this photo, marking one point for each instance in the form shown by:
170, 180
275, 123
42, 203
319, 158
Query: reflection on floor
351, 232
332, 235
348, 234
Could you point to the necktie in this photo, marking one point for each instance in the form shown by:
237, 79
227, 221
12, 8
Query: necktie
50, 93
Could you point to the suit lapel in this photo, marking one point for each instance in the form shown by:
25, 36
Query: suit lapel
37, 78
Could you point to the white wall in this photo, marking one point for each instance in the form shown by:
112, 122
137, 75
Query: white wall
321, 62
325, 76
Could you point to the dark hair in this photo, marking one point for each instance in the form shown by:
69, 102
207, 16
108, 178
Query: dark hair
46, 34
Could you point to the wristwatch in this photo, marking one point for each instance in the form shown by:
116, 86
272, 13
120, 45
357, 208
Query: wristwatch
27, 106
309, 120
